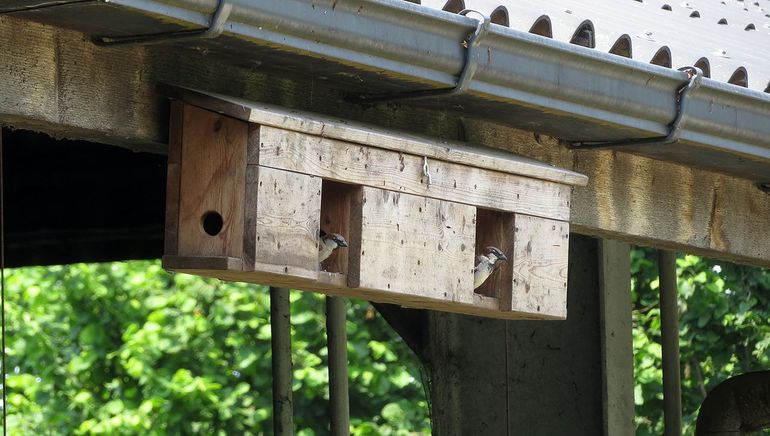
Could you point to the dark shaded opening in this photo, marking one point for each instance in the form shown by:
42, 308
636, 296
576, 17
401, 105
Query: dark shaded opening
722, 21
740, 77
695, 14
336, 200
495, 229
542, 27
704, 65
666, 7
500, 16
622, 47
78, 201
750, 26
212, 223
584, 35
454, 6
662, 57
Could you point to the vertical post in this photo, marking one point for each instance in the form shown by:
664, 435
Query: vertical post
280, 327
336, 308
669, 326
617, 337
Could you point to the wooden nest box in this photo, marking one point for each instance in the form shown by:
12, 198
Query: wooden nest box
250, 187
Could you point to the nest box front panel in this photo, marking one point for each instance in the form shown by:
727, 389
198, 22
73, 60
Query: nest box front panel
540, 260
249, 193
211, 184
288, 211
412, 245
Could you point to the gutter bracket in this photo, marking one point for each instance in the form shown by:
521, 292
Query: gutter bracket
215, 29
695, 78
470, 66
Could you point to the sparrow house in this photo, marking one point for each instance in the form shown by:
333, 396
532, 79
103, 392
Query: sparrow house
250, 187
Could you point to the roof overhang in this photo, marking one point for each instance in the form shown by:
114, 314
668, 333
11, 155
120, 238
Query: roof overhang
523, 80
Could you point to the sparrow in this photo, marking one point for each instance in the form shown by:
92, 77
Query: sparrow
328, 243
487, 262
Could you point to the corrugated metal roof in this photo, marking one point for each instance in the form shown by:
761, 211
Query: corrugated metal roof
728, 39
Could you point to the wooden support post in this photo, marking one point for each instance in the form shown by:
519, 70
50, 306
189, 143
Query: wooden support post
492, 377
669, 327
616, 336
336, 308
280, 327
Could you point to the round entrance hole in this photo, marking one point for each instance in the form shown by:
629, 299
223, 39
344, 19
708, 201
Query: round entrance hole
212, 223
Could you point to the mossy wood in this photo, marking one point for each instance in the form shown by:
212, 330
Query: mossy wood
249, 190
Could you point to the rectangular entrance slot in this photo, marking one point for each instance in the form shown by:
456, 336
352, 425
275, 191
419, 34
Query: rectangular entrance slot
495, 229
336, 198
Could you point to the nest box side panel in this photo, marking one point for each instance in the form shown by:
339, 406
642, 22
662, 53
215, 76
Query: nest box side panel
287, 223
540, 259
413, 246
212, 181
171, 228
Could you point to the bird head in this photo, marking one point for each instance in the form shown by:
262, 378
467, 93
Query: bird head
494, 254
337, 238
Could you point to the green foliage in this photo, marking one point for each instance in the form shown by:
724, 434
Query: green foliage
125, 348
723, 331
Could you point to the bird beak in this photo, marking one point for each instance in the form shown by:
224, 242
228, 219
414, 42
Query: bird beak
342, 243
503, 258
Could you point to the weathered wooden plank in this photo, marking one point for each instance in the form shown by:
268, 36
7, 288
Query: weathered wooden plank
349, 131
403, 172
251, 190
520, 378
212, 180
616, 337
171, 228
335, 284
412, 245
672, 206
192, 263
56, 81
651, 202
288, 213
540, 259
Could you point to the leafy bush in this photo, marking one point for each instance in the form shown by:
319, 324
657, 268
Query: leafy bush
126, 348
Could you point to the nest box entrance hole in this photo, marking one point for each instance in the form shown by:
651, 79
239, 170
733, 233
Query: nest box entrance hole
495, 229
336, 200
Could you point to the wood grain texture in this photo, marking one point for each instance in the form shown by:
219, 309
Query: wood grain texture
171, 227
335, 284
350, 131
251, 189
540, 259
651, 202
55, 81
223, 263
403, 172
212, 180
660, 202
615, 322
412, 245
287, 223
496, 229
336, 199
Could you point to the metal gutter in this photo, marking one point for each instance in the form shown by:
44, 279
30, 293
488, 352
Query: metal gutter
524, 80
